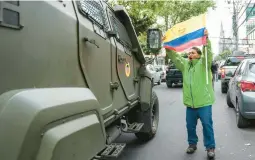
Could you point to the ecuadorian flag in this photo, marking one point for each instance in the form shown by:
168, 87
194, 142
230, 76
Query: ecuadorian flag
186, 34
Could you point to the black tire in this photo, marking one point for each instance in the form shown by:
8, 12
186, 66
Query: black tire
159, 82
151, 120
223, 88
169, 85
241, 122
229, 103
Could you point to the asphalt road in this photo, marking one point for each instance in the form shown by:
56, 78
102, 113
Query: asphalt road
170, 142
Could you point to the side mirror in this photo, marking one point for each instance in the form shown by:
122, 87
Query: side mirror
154, 40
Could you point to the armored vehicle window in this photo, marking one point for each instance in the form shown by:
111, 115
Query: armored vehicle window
93, 9
10, 14
122, 32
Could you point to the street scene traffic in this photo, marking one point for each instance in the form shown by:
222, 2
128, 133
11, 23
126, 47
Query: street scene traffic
127, 80
232, 142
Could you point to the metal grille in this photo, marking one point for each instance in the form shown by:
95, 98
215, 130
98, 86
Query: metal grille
95, 11
122, 32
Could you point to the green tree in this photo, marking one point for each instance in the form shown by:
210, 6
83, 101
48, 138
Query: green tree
225, 54
145, 13
178, 11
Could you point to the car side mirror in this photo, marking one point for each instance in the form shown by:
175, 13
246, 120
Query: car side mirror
154, 40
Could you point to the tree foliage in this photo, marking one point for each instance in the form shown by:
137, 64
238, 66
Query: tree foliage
175, 12
223, 55
145, 13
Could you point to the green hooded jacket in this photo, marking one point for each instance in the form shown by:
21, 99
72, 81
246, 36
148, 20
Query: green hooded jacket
196, 93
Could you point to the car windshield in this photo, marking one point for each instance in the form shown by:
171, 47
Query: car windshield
233, 61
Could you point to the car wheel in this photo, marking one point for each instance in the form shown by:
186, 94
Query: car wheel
229, 103
159, 82
151, 120
240, 120
223, 88
169, 85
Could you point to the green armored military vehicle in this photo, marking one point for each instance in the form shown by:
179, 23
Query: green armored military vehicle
73, 78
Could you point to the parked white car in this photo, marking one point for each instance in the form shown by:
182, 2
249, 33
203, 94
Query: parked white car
162, 70
155, 74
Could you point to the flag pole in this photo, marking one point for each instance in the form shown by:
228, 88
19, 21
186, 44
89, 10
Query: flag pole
206, 65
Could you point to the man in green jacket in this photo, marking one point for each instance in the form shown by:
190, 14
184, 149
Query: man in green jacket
198, 96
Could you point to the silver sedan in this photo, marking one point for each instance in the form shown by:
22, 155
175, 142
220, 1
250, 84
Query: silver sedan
241, 92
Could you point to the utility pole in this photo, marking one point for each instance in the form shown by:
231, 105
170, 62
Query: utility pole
235, 23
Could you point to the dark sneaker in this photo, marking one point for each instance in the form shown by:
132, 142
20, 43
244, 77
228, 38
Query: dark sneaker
210, 153
191, 149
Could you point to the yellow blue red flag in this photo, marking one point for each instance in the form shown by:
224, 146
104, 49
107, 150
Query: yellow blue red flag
186, 34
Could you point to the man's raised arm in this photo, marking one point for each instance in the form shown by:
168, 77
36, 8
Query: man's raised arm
177, 59
209, 54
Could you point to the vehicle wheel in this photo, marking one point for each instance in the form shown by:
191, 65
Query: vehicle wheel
153, 83
240, 120
223, 89
159, 82
151, 120
229, 103
169, 85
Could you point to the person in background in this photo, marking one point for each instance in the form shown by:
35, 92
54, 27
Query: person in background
198, 96
214, 70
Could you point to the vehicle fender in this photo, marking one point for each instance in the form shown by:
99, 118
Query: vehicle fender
50, 124
145, 89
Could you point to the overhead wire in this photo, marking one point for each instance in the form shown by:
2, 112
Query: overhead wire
244, 9
246, 17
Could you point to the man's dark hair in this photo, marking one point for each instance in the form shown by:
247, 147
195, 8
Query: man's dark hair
198, 50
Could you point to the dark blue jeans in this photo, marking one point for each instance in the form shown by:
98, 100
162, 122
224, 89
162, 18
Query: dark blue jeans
205, 115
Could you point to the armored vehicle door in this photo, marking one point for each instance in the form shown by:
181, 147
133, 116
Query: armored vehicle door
125, 60
95, 50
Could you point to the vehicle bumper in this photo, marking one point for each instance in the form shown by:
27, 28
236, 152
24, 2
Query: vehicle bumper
174, 80
248, 105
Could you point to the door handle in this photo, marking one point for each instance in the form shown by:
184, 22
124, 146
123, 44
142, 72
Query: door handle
114, 85
92, 41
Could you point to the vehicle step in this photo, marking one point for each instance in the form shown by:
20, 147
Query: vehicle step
135, 127
112, 151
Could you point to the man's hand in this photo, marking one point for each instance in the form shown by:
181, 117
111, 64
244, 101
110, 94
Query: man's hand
206, 33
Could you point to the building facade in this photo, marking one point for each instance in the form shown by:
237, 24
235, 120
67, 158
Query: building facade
250, 28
